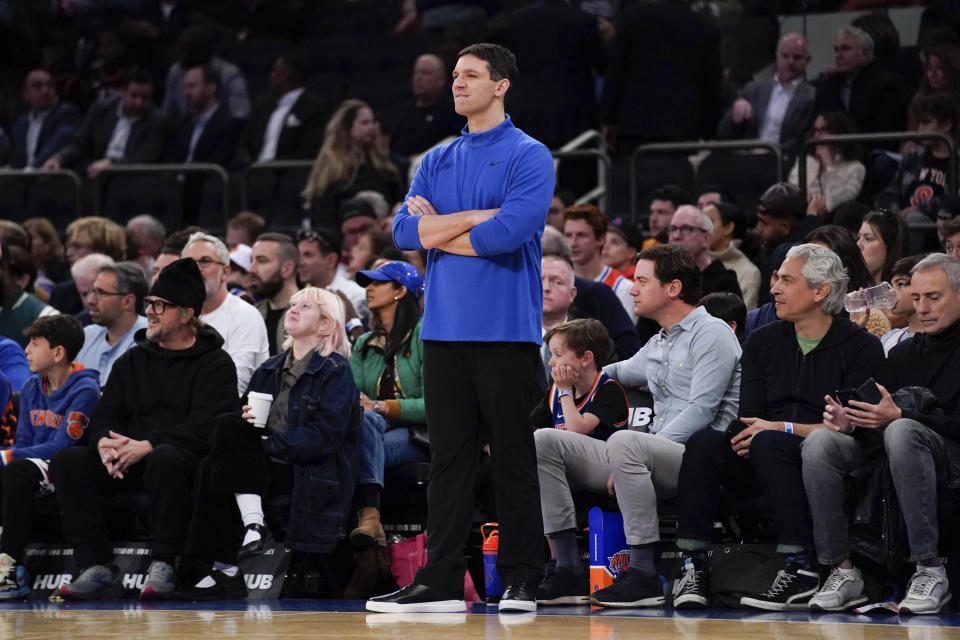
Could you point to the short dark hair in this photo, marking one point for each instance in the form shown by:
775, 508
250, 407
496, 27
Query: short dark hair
904, 266
672, 193
782, 200
673, 262
732, 213
582, 335
938, 105
286, 248
725, 196
729, 307
298, 64
129, 278
59, 331
137, 75
566, 196
591, 215
500, 61
210, 75
252, 223
952, 228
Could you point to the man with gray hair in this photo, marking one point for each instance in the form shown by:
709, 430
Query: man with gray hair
148, 235
239, 323
787, 368
115, 305
921, 440
875, 97
84, 272
693, 229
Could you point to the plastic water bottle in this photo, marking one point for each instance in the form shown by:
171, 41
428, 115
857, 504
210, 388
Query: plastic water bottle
881, 296
493, 588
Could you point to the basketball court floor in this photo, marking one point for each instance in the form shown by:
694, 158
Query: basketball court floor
346, 620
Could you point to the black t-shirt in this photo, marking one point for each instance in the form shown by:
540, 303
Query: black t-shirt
416, 129
609, 405
274, 316
929, 184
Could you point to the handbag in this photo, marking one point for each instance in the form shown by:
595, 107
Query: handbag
410, 554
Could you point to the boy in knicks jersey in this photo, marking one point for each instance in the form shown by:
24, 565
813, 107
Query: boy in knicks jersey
581, 410
55, 405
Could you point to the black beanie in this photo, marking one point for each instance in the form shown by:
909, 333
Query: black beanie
181, 284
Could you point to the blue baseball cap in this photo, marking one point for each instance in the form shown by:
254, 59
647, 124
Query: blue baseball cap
398, 271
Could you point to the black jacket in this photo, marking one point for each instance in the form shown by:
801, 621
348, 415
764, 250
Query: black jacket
878, 98
58, 129
168, 397
717, 278
301, 134
145, 144
215, 144
778, 382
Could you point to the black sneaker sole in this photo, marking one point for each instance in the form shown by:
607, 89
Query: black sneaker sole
691, 602
753, 603
657, 601
564, 600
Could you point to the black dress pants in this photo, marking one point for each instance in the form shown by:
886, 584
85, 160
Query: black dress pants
20, 481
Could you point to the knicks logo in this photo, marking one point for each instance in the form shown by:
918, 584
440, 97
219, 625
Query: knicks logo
618, 561
76, 423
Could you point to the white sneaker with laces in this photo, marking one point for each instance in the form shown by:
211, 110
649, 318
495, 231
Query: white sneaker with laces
928, 591
842, 590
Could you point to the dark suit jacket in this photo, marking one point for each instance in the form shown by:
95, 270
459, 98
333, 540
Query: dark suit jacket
58, 129
216, 143
302, 132
145, 145
796, 121
878, 98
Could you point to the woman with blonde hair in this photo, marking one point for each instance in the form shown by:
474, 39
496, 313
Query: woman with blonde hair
303, 451
349, 161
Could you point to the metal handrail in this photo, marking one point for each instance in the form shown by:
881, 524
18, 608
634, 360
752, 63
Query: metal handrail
876, 137
148, 169
33, 176
692, 148
600, 193
272, 166
583, 139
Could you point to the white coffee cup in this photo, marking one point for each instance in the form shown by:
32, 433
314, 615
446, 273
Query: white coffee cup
260, 407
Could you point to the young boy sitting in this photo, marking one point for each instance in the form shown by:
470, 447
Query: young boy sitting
55, 404
582, 409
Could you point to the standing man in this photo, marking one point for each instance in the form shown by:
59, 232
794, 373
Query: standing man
481, 329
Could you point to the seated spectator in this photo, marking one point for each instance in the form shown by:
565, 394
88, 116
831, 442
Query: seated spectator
949, 210
357, 217
372, 246
882, 241
381, 208
47, 126
766, 313
693, 229
18, 309
149, 235
196, 48
91, 234
581, 298
921, 181
240, 273
585, 228
349, 161
834, 172
428, 117
148, 433
239, 324
664, 201
244, 228
319, 252
47, 253
13, 364
387, 365
788, 366
304, 450
729, 308
127, 129
729, 227
562, 198
919, 443
84, 272
287, 122
115, 305
621, 246
951, 240
779, 109
55, 406
941, 72
904, 312
780, 218
168, 255
273, 279
712, 194
696, 390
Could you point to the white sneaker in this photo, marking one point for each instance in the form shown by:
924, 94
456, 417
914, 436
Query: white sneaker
928, 591
842, 590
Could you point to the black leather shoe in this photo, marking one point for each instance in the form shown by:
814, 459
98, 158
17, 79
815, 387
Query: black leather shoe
519, 596
416, 598
257, 546
224, 588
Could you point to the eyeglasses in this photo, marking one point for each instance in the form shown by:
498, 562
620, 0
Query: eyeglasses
205, 262
684, 229
97, 293
159, 305
312, 235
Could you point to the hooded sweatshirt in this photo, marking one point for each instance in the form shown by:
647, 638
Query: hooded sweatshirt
168, 396
51, 422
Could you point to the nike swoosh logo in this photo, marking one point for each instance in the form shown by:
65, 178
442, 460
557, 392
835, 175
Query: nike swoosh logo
493, 164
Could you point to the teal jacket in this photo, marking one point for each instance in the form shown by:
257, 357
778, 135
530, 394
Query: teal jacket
409, 363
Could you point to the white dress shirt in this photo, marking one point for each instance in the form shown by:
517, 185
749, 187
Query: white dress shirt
275, 125
777, 108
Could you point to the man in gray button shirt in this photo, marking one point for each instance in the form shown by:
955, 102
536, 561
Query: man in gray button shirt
692, 369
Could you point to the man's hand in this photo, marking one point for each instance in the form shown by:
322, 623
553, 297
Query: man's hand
610, 488
52, 164
817, 205
740, 443
420, 206
107, 448
565, 376
130, 454
874, 416
96, 167
835, 416
741, 111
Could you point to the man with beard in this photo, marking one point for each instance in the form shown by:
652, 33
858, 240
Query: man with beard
115, 305
242, 328
273, 279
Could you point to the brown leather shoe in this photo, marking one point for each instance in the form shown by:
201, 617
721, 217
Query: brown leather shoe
369, 531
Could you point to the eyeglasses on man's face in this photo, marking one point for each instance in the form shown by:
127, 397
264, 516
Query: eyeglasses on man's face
158, 305
205, 262
97, 293
684, 229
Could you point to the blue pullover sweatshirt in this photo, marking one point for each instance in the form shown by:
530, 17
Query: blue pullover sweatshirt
49, 423
497, 295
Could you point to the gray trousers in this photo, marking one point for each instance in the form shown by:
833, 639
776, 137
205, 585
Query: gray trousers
644, 467
918, 458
